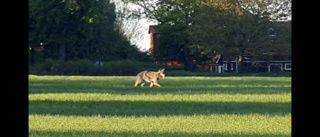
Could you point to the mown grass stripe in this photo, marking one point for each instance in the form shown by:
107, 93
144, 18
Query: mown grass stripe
161, 97
223, 124
155, 108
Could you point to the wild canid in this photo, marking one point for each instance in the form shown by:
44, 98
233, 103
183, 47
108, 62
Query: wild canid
149, 76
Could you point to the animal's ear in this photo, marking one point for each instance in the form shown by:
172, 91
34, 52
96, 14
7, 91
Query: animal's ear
162, 70
159, 70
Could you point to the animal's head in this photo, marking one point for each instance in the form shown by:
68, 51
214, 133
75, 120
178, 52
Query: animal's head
161, 73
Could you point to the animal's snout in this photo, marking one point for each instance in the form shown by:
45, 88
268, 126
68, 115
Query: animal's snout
162, 75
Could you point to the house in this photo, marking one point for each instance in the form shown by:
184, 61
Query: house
154, 34
221, 66
252, 66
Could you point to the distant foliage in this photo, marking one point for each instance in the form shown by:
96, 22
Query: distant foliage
126, 68
88, 67
68, 30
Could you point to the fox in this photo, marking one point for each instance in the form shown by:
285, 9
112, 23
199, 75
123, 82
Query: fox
149, 76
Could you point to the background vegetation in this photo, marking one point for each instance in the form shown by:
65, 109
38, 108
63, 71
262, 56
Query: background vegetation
202, 29
73, 30
127, 68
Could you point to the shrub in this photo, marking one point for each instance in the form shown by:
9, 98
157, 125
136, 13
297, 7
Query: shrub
87, 67
122, 68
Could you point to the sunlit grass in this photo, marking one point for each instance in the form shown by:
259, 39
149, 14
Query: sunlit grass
161, 97
229, 124
183, 106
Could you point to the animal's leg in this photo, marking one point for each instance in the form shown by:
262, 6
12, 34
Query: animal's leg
151, 84
155, 83
136, 84
143, 84
138, 81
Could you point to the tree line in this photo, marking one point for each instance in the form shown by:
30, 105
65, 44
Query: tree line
190, 29
201, 30
78, 29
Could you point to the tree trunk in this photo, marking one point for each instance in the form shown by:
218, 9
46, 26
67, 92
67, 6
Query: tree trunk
240, 65
62, 47
189, 65
62, 52
241, 58
32, 56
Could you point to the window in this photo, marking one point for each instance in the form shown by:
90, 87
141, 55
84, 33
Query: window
275, 67
287, 66
225, 66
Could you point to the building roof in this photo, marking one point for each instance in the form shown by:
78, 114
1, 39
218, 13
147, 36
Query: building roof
153, 29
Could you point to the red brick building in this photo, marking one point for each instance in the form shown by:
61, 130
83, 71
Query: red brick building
154, 34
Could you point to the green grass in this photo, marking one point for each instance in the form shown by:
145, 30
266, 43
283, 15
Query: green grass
256, 106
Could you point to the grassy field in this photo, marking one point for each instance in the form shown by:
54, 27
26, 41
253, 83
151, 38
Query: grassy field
102, 106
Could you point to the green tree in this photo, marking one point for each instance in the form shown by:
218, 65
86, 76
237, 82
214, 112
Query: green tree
174, 18
71, 29
201, 29
232, 30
